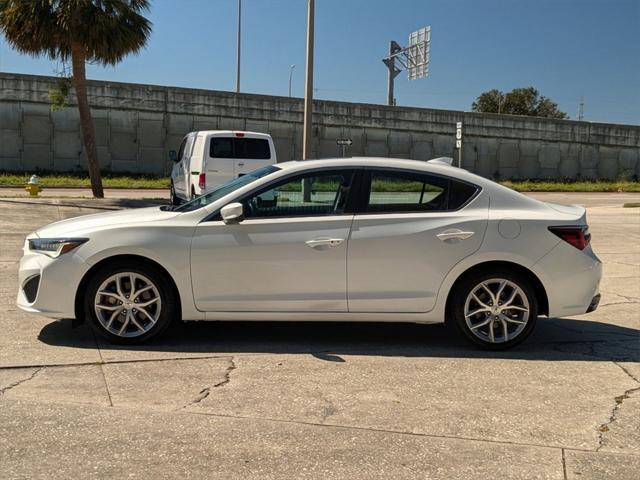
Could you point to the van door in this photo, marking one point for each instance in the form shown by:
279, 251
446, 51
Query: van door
219, 164
251, 153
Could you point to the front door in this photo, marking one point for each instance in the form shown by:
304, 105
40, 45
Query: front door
409, 235
288, 254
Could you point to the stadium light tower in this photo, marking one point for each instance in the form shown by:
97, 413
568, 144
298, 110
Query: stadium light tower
414, 59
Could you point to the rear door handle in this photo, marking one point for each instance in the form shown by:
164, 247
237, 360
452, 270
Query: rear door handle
323, 243
454, 234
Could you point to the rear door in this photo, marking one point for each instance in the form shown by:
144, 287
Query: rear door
251, 152
220, 161
410, 230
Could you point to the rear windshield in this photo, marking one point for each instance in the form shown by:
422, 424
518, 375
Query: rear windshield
234, 147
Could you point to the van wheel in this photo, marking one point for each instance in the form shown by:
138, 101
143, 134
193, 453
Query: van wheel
193, 193
172, 196
495, 310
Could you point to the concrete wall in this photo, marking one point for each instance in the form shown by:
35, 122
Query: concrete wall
137, 125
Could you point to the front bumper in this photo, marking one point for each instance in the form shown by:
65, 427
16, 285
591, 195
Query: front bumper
58, 283
595, 301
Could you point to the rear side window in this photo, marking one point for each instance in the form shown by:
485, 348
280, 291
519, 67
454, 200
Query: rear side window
247, 148
398, 192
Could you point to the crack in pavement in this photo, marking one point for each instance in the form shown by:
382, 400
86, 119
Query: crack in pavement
605, 427
628, 297
627, 372
618, 303
204, 393
20, 382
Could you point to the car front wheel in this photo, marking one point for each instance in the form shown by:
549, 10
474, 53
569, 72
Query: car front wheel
129, 303
495, 310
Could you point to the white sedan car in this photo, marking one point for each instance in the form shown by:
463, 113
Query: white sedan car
360, 239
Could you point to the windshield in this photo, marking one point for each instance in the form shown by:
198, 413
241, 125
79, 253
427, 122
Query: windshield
225, 189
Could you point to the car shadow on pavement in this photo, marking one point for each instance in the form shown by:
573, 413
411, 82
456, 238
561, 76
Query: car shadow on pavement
554, 339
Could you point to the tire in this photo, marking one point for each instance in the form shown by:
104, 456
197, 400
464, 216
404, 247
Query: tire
475, 297
172, 196
117, 314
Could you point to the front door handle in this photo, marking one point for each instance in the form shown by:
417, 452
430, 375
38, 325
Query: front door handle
454, 234
323, 243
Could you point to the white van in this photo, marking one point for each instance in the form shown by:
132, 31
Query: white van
207, 159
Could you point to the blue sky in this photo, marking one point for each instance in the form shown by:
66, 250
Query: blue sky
565, 48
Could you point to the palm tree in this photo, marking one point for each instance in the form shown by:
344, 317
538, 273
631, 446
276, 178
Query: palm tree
100, 31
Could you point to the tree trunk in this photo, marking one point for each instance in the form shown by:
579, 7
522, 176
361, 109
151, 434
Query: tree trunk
88, 129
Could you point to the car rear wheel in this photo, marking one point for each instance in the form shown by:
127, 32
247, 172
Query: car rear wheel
495, 310
129, 303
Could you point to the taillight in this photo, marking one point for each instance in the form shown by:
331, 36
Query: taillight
239, 134
578, 235
202, 181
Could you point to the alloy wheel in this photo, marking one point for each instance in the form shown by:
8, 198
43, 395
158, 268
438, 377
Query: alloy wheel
127, 304
496, 310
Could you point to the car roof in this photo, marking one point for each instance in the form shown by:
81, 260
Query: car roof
377, 162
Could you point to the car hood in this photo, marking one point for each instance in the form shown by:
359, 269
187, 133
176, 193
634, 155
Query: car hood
87, 223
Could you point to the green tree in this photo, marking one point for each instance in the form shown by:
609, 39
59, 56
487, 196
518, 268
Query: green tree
100, 31
519, 101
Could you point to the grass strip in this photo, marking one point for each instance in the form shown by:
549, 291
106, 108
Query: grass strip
141, 181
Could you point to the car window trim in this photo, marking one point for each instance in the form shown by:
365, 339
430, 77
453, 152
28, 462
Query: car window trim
215, 215
365, 191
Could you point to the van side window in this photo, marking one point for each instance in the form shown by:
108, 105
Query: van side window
221, 147
181, 149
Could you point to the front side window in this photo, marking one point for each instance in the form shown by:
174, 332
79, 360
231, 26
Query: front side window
311, 194
181, 149
398, 192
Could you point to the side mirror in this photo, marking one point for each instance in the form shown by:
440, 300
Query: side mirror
173, 156
232, 213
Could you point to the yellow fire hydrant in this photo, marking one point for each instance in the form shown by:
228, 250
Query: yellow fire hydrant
33, 186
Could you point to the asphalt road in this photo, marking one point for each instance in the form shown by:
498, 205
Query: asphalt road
324, 400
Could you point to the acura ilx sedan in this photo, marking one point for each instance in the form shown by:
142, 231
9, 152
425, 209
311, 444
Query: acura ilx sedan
359, 239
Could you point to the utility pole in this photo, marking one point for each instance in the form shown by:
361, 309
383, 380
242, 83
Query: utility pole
238, 59
581, 109
308, 88
390, 62
290, 75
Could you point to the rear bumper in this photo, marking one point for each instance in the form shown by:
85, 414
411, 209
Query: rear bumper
571, 278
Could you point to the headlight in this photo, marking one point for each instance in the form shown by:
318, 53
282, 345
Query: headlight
54, 247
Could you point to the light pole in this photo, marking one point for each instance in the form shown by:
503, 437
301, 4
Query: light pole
238, 59
308, 89
290, 75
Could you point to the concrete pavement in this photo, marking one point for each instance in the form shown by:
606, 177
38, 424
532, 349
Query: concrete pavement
324, 400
